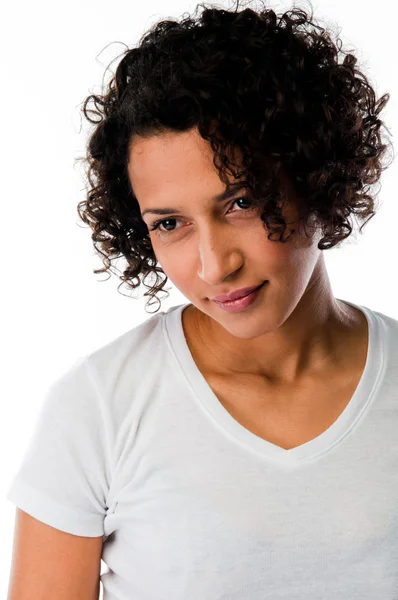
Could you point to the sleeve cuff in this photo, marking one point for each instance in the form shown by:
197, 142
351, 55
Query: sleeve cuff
52, 513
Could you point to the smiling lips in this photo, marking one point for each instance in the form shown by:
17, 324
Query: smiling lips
237, 294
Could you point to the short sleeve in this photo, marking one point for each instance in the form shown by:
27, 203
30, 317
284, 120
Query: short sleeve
64, 477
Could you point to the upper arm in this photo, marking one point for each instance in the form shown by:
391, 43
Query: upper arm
50, 564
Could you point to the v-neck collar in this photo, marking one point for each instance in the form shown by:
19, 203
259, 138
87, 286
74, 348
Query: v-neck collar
364, 393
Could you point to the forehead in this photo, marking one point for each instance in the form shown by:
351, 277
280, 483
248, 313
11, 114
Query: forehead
172, 163
167, 150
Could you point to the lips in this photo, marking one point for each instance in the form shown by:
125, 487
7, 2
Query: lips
238, 294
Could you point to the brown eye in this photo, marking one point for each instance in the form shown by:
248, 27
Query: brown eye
245, 199
163, 222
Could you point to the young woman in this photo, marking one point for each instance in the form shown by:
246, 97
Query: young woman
242, 445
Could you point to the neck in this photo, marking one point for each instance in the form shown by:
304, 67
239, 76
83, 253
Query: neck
315, 338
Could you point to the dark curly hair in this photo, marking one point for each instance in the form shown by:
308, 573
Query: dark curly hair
269, 85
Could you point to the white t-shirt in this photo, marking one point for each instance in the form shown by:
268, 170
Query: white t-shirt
133, 444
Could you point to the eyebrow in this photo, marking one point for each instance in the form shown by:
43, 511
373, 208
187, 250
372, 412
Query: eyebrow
217, 198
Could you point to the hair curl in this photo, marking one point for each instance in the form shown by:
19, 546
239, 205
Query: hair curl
269, 85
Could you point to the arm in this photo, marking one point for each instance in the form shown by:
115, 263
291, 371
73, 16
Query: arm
49, 564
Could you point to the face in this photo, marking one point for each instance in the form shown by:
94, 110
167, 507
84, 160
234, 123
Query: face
209, 247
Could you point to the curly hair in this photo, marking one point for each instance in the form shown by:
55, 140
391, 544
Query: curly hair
271, 86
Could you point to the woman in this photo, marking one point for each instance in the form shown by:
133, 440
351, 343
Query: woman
241, 445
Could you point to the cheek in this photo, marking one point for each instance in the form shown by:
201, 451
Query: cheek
274, 255
177, 268
289, 265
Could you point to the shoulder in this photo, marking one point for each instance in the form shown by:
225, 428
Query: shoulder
135, 341
124, 370
387, 326
390, 323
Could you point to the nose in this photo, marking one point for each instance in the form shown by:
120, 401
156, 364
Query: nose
219, 256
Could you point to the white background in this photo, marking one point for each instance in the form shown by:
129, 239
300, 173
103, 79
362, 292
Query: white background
53, 306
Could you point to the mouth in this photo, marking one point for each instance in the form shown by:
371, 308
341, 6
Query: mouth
241, 303
222, 298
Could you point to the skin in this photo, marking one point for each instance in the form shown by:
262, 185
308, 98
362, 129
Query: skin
296, 329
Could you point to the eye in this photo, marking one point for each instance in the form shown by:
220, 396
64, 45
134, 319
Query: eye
160, 222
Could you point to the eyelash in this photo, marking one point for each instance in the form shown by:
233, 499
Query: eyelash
156, 224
